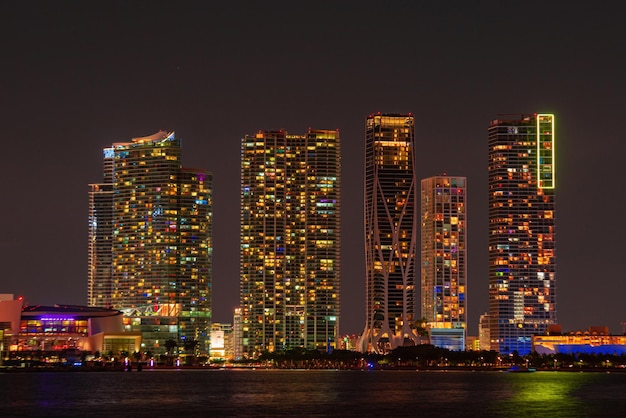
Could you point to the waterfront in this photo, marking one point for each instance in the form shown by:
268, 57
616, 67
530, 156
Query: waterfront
312, 393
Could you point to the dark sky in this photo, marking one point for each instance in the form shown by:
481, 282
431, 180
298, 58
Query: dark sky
77, 76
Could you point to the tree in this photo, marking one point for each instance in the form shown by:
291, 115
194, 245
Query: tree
170, 346
421, 327
190, 345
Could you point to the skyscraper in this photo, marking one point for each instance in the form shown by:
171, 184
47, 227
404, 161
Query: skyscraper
290, 240
152, 219
391, 240
522, 266
100, 282
444, 260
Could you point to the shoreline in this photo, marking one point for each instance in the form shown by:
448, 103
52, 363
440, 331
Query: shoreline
90, 369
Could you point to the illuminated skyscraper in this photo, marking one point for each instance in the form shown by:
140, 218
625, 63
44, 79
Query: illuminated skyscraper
391, 240
153, 217
290, 260
100, 282
444, 257
522, 283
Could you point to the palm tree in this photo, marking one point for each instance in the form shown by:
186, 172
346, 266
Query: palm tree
190, 345
170, 345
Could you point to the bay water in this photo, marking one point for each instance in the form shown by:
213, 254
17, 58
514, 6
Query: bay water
312, 393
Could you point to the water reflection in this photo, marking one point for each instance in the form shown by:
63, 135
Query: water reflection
312, 393
544, 394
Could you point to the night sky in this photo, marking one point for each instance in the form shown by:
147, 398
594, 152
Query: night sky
78, 76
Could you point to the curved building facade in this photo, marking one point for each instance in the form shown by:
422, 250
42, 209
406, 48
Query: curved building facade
150, 245
391, 239
52, 332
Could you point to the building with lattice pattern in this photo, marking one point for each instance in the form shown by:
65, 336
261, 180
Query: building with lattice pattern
391, 238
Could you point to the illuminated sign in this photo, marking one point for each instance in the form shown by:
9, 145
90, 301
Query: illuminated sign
545, 151
56, 318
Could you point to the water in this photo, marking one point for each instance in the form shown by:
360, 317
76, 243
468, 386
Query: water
309, 393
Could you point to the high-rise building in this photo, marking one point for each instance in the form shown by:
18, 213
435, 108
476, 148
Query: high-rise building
444, 260
290, 240
483, 332
237, 335
391, 239
150, 242
100, 281
522, 267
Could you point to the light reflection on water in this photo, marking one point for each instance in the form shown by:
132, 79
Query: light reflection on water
567, 394
312, 393
548, 393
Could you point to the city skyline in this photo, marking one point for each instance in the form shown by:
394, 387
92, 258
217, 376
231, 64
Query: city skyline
83, 77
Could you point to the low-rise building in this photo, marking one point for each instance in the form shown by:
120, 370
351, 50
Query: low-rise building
595, 340
45, 331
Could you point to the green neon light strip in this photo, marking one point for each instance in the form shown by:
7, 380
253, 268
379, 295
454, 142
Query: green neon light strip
545, 169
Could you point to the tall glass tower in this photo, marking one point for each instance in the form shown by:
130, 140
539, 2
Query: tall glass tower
444, 260
522, 235
391, 240
100, 282
151, 221
290, 240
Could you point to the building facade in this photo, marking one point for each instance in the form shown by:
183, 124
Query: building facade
100, 281
391, 240
593, 341
444, 260
522, 234
290, 241
222, 342
483, 332
53, 335
151, 221
238, 353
